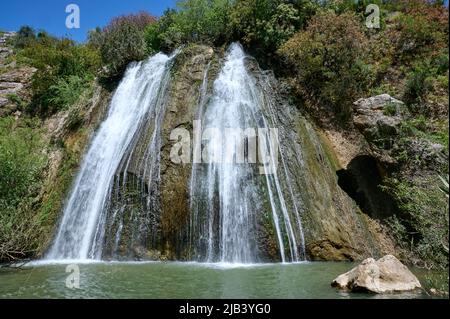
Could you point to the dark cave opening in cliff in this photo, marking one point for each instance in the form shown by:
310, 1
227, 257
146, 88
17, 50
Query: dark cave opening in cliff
361, 181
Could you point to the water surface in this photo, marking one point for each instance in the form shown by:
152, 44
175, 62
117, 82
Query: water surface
182, 280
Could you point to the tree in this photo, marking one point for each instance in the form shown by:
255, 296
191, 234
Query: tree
328, 60
122, 41
266, 24
24, 37
200, 21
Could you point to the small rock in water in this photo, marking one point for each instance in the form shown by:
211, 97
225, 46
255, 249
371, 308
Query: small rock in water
385, 275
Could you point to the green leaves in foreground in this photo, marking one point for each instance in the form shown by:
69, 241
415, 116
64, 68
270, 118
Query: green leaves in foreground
68, 90
20, 162
422, 229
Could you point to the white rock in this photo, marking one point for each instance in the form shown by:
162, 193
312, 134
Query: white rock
385, 275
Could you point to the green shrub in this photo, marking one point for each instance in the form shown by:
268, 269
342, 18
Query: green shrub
165, 35
390, 109
442, 62
204, 21
17, 100
421, 30
423, 229
24, 37
58, 62
417, 131
122, 45
328, 60
424, 77
95, 38
419, 82
122, 41
21, 163
259, 24
265, 25
444, 185
152, 37
68, 90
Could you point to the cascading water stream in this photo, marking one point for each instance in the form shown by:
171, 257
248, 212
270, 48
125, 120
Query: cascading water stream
117, 188
136, 99
227, 197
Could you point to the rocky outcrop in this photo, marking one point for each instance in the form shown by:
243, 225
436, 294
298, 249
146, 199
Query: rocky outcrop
427, 152
5, 36
373, 119
334, 226
181, 110
377, 114
378, 119
386, 275
14, 81
165, 212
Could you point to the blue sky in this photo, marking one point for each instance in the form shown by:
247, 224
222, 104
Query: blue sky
50, 15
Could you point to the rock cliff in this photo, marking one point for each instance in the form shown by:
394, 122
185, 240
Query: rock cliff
334, 226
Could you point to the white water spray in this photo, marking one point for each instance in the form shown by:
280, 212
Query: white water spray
82, 221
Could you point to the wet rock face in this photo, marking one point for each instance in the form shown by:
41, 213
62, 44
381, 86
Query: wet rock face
386, 275
165, 214
181, 111
334, 226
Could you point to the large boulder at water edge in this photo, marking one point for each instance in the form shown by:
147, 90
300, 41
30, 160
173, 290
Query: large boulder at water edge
385, 275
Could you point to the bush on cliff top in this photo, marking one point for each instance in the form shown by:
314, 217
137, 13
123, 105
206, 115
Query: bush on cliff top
121, 41
265, 25
202, 21
328, 59
58, 61
261, 25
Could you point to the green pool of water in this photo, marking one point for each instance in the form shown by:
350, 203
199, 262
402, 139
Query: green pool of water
181, 280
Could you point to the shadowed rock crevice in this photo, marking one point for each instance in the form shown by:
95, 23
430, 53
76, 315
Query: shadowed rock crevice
361, 181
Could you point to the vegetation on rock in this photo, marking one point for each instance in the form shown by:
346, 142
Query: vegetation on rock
329, 59
121, 41
64, 68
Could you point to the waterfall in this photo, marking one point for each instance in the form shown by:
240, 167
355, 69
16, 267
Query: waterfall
136, 102
237, 209
229, 199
